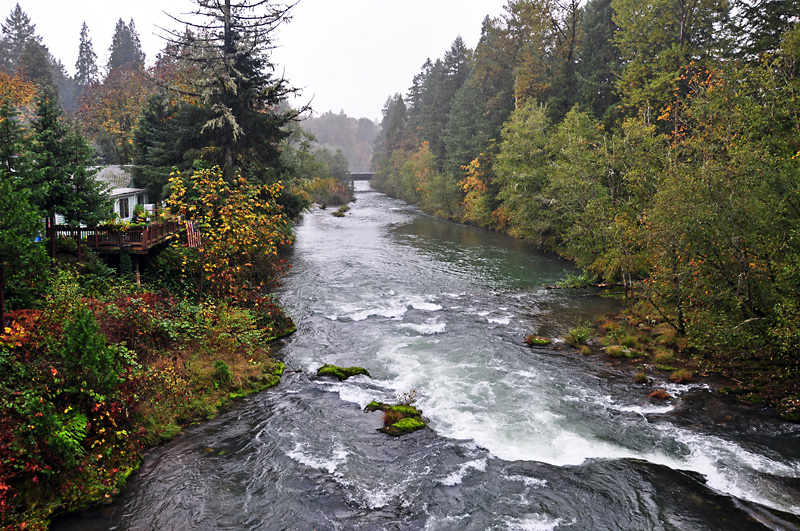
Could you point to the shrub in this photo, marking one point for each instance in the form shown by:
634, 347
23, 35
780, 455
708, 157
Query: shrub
640, 377
615, 351
579, 335
222, 373
84, 353
663, 356
407, 399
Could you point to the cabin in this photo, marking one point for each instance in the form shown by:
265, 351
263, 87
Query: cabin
125, 196
122, 190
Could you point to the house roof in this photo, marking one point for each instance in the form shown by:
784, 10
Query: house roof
115, 177
121, 192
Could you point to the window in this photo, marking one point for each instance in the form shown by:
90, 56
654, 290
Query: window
123, 208
140, 199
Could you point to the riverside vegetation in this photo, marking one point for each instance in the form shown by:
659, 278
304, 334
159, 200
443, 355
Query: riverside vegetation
655, 144
96, 365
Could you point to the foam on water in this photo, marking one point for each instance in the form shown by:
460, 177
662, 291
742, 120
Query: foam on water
430, 327
304, 455
458, 476
732, 469
389, 307
351, 392
535, 483
534, 522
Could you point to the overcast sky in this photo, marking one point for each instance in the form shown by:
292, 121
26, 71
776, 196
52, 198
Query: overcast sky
346, 55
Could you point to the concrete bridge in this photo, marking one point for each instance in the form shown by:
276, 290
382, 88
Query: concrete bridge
361, 176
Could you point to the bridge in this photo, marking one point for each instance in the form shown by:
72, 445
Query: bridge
361, 176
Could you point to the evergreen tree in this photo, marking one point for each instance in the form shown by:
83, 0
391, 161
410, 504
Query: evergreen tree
57, 174
234, 84
17, 32
20, 224
126, 50
86, 66
663, 45
598, 61
34, 65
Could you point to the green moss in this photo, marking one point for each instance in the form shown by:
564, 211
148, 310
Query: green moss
537, 341
342, 373
376, 406
406, 410
408, 424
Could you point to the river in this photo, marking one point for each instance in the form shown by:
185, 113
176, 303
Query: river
519, 438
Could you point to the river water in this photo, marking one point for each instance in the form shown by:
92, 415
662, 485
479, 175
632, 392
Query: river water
519, 438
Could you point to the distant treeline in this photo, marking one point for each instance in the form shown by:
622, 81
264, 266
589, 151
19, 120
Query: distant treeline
355, 137
655, 143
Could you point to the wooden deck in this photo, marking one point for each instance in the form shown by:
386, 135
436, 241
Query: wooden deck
109, 240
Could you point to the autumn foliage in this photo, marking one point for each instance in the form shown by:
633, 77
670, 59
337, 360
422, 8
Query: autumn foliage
242, 229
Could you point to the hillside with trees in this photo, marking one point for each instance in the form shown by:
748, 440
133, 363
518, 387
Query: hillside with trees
654, 144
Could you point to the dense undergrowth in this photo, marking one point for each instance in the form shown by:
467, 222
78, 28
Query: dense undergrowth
100, 369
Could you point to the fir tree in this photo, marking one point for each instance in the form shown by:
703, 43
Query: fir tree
235, 83
86, 66
17, 31
126, 49
57, 176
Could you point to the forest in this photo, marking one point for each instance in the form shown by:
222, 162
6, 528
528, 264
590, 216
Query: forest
99, 359
656, 144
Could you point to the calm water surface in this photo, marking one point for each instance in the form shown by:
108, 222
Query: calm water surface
519, 438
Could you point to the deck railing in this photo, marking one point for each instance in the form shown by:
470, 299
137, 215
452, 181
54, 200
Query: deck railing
136, 240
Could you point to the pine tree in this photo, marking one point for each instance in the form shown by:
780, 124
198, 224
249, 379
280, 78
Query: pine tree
126, 50
86, 66
17, 31
235, 84
34, 64
57, 174
598, 61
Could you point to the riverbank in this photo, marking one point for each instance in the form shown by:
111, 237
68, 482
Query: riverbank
651, 346
90, 381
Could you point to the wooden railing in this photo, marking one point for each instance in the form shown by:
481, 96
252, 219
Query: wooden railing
108, 239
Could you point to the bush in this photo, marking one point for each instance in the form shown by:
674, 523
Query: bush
222, 373
579, 335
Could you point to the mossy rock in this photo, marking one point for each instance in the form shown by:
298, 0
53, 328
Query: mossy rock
537, 341
410, 411
338, 214
406, 425
342, 373
376, 406
399, 419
